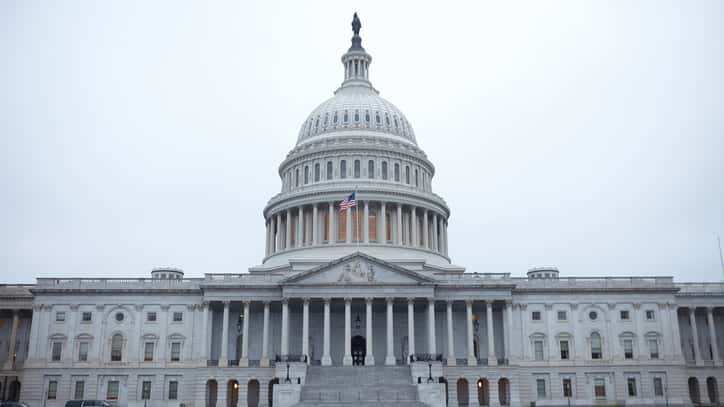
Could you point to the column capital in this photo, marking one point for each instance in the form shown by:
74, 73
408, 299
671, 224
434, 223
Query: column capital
390, 300
327, 300
710, 309
246, 302
226, 303
369, 300
469, 302
306, 300
165, 307
285, 301
73, 307
266, 302
347, 300
410, 300
431, 300
508, 303
449, 302
205, 304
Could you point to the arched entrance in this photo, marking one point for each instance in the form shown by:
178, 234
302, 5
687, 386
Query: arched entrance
359, 350
252, 393
270, 397
712, 390
694, 390
463, 395
504, 391
14, 391
211, 389
483, 392
232, 393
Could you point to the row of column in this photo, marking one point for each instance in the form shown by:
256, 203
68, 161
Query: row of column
429, 233
369, 358
695, 335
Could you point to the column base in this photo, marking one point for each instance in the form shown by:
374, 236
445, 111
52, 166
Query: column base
326, 361
472, 361
8, 366
369, 360
223, 362
244, 362
347, 360
264, 361
492, 361
390, 360
451, 361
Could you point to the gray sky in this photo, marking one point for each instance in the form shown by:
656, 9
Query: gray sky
587, 135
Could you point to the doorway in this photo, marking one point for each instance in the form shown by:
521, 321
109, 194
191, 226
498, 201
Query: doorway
359, 350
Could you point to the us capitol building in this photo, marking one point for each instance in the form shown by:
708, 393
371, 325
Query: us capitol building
361, 306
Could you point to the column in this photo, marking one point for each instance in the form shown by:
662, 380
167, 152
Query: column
398, 235
410, 328
278, 237
10, 362
431, 346
695, 335
446, 241
285, 327
472, 360
369, 357
300, 227
712, 335
675, 332
266, 245
382, 232
288, 230
348, 234
492, 359
390, 358
347, 359
326, 358
305, 329
366, 222
205, 336
245, 336
509, 330
330, 231
315, 225
264, 362
442, 236
413, 220
451, 360
34, 323
425, 231
434, 232
224, 358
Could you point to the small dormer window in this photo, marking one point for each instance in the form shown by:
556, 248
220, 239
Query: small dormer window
396, 124
335, 117
326, 119
356, 116
316, 123
367, 116
377, 118
346, 117
387, 120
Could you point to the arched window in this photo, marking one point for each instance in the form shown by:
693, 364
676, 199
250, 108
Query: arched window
397, 172
356, 168
326, 119
346, 117
356, 116
463, 395
343, 169
252, 393
306, 174
596, 346
116, 348
329, 170
396, 124
317, 171
387, 120
367, 116
407, 174
504, 391
384, 170
232, 393
694, 390
483, 392
377, 118
417, 179
296, 177
211, 393
370, 169
335, 117
712, 390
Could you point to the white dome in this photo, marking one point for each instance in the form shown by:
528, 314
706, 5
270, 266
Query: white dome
355, 108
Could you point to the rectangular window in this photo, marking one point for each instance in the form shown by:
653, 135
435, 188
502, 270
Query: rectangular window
564, 349
87, 316
540, 385
653, 348
650, 315
60, 316
384, 170
628, 348
79, 390
306, 175
538, 346
83, 351
178, 316
370, 169
658, 387
112, 391
562, 315
330, 170
535, 315
356, 168
148, 352
317, 172
625, 315
55, 353
407, 175
52, 389
631, 385
146, 390
567, 388
417, 178
343, 169
397, 172
599, 388
150, 317
175, 351
173, 390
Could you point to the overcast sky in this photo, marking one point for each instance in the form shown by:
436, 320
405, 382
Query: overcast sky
586, 135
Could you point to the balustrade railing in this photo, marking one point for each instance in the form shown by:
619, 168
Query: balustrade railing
290, 358
212, 362
426, 357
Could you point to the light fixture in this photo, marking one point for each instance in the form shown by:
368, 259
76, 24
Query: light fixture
240, 323
236, 386
357, 322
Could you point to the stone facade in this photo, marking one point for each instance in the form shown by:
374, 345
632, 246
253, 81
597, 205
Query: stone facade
371, 285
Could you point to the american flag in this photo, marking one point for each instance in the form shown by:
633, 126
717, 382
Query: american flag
348, 202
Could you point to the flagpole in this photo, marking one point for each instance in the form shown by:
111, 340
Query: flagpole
356, 207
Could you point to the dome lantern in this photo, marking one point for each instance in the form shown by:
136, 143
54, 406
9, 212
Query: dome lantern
356, 61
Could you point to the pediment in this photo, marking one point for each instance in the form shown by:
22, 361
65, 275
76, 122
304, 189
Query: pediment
358, 269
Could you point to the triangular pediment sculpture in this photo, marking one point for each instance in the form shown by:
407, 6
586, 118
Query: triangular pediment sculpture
358, 269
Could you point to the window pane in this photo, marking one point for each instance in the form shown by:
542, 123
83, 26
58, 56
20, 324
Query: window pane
599, 387
567, 388
175, 351
356, 168
654, 348
148, 351
342, 225
343, 169
564, 349
116, 348
397, 172
112, 392
370, 169
178, 316
658, 386
329, 170
384, 170
538, 350
541, 388
83, 351
52, 389
631, 384
79, 390
57, 348
172, 390
316, 172
146, 390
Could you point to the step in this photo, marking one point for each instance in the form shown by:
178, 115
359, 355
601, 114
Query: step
405, 392
361, 404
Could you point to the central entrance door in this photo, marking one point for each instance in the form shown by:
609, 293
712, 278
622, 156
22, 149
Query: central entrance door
359, 350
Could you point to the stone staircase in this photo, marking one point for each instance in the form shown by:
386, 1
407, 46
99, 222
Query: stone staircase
359, 386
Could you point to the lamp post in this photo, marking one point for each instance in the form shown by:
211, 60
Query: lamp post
288, 380
429, 374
